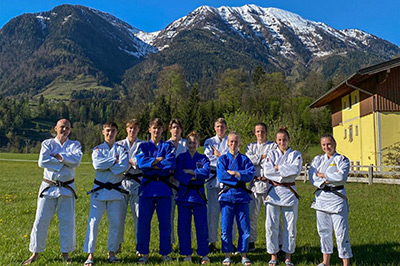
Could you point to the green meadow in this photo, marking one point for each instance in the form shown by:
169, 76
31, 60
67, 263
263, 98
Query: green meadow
374, 223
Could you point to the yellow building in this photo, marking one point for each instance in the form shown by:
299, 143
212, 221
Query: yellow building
366, 113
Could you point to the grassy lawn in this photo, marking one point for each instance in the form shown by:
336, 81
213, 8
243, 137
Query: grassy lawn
374, 223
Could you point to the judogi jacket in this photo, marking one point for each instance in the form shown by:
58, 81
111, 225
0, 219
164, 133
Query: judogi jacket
131, 185
222, 147
145, 156
181, 148
55, 170
107, 170
336, 170
289, 165
254, 151
192, 190
242, 164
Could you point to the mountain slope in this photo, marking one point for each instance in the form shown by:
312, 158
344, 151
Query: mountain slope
67, 41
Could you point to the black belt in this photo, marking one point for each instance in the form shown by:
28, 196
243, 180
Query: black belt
194, 187
287, 185
135, 177
333, 190
213, 172
58, 184
108, 186
164, 179
239, 184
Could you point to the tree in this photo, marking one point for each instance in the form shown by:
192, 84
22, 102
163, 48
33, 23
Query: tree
172, 86
230, 88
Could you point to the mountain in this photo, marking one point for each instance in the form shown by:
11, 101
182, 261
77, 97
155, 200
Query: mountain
75, 44
65, 43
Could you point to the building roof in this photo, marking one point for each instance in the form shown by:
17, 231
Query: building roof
348, 85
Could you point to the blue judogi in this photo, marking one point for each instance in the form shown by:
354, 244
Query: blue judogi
234, 202
191, 200
155, 195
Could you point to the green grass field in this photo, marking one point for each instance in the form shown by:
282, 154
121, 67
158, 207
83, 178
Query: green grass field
374, 223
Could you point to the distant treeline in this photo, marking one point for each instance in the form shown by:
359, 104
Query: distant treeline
242, 97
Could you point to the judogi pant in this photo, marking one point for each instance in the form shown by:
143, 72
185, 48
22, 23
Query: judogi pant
199, 212
113, 209
272, 224
46, 207
255, 206
133, 201
340, 224
228, 212
162, 205
213, 210
173, 204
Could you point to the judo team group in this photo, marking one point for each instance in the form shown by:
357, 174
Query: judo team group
159, 175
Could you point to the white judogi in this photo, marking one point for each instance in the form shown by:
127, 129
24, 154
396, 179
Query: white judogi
107, 170
259, 188
213, 186
181, 148
281, 199
56, 198
132, 187
332, 209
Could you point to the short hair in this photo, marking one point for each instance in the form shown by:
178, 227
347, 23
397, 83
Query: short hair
329, 136
110, 124
220, 120
261, 124
133, 122
283, 130
175, 121
194, 135
156, 122
234, 133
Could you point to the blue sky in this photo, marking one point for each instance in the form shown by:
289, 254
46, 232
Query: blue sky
378, 17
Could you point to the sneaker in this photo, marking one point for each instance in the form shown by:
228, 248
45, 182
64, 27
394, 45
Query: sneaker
212, 248
252, 247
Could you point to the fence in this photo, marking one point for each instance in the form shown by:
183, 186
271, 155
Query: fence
371, 174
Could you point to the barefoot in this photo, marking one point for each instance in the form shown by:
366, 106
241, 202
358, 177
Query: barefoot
31, 259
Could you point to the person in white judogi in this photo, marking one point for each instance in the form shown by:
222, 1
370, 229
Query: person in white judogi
329, 173
132, 180
213, 148
281, 167
59, 157
175, 128
257, 152
110, 160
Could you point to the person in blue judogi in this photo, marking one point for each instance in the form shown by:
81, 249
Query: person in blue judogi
156, 160
192, 169
234, 170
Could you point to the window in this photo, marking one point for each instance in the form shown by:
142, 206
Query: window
345, 133
344, 104
356, 130
350, 102
355, 98
351, 133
